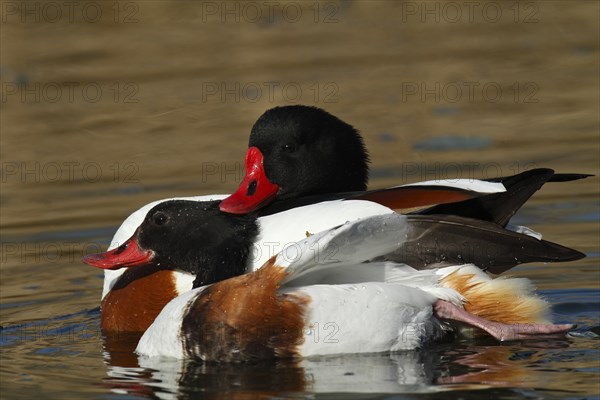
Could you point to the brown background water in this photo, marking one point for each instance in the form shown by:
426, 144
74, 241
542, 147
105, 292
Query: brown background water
107, 106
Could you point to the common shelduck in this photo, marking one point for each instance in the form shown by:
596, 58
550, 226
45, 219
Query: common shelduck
312, 155
332, 278
304, 154
423, 245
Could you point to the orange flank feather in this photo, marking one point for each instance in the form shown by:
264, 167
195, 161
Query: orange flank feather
129, 308
506, 300
411, 198
247, 314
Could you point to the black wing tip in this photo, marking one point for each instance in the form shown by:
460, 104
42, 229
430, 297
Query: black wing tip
577, 255
567, 177
560, 253
543, 174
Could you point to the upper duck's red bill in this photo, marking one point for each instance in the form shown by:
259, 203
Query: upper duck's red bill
255, 190
129, 254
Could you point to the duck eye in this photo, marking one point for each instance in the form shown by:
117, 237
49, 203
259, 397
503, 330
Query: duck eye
289, 147
159, 218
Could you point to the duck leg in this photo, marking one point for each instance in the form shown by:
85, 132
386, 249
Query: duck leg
498, 330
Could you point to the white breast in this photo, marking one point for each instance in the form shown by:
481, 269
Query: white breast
163, 337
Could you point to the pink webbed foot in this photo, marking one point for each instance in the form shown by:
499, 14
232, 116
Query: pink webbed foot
498, 330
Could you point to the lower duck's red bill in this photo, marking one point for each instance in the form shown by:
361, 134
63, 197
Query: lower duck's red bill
129, 254
255, 191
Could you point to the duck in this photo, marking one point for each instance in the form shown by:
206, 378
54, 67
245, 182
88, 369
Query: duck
474, 210
333, 294
301, 154
274, 233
